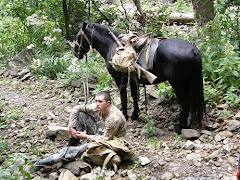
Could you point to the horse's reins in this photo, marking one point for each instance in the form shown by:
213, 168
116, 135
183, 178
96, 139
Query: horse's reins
86, 89
80, 44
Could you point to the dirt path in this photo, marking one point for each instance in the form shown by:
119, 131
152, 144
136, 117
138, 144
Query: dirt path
171, 157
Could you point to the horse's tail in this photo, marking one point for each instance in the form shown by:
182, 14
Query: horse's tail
196, 96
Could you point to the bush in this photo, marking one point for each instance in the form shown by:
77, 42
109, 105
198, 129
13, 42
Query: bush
221, 62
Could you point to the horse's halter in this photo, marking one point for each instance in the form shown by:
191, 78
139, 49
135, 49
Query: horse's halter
80, 44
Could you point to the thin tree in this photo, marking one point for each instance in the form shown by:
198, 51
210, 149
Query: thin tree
66, 18
204, 11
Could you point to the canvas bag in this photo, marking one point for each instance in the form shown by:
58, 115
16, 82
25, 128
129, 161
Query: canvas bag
109, 154
123, 59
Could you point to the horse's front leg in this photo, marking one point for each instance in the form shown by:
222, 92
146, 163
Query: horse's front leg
123, 93
135, 95
121, 82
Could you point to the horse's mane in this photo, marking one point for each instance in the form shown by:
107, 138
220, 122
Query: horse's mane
104, 29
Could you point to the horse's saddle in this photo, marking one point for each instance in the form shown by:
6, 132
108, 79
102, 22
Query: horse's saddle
146, 55
144, 45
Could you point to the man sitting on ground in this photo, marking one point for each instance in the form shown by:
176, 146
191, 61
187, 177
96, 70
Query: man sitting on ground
83, 118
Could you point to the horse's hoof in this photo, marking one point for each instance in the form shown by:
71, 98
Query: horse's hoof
177, 129
126, 117
134, 116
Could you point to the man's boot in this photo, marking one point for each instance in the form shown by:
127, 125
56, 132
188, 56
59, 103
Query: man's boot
56, 158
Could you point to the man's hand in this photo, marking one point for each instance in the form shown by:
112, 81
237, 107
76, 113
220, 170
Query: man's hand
81, 135
72, 132
234, 178
77, 134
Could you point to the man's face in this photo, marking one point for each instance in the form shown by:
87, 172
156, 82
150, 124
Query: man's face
102, 104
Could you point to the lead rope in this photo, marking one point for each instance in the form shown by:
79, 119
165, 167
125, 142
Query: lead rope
86, 88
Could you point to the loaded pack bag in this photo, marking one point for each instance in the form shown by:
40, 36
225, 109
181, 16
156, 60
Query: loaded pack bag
109, 154
123, 59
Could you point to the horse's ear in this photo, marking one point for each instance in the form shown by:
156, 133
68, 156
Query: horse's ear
85, 23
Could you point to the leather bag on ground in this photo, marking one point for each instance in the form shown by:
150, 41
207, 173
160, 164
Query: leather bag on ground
109, 154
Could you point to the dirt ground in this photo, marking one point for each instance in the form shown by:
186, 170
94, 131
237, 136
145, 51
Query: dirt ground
40, 103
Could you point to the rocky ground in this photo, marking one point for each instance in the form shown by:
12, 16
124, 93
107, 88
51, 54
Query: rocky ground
209, 154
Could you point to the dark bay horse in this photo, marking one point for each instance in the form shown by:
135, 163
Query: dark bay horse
175, 60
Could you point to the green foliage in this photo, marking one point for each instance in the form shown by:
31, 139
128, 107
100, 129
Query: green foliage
3, 147
104, 83
14, 114
154, 142
166, 90
16, 169
231, 97
100, 177
150, 126
225, 114
42, 81
177, 142
211, 94
221, 62
1, 105
137, 163
49, 66
182, 6
96, 72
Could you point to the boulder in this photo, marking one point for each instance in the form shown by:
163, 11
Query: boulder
76, 166
21, 60
58, 132
190, 134
233, 125
67, 175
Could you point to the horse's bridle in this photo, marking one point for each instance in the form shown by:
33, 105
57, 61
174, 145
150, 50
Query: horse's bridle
80, 44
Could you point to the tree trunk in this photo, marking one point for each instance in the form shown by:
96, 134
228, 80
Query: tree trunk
66, 18
204, 11
142, 18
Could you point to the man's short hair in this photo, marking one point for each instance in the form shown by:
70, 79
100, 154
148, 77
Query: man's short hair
106, 95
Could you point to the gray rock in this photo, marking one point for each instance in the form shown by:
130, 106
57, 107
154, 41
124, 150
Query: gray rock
162, 162
206, 132
214, 154
222, 106
194, 157
144, 132
144, 160
53, 176
152, 91
124, 173
167, 176
222, 135
61, 133
26, 76
39, 178
76, 166
233, 125
132, 177
216, 125
159, 132
237, 116
189, 145
190, 134
228, 147
218, 138
153, 178
204, 138
67, 175
23, 72
21, 60
15, 84
232, 161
